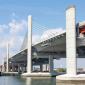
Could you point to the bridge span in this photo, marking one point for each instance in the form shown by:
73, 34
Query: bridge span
69, 45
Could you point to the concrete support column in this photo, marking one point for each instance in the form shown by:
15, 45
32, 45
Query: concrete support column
18, 68
46, 67
71, 41
3, 68
50, 64
13, 68
41, 67
7, 60
29, 52
25, 68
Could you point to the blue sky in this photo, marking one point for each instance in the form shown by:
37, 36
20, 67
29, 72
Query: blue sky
46, 13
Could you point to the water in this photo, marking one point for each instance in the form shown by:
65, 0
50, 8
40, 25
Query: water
11, 80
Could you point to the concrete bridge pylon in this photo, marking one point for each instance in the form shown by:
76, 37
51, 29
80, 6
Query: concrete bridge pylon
29, 51
71, 59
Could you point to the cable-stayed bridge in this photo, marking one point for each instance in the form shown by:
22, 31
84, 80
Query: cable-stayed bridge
69, 44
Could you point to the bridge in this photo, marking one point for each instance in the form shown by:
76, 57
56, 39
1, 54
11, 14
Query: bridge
69, 45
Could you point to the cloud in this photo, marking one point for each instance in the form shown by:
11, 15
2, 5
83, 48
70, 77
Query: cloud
35, 39
17, 26
15, 41
14, 27
15, 44
2, 43
11, 32
51, 33
47, 34
3, 28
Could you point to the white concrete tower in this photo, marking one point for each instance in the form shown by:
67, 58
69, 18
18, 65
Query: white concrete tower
71, 41
29, 51
7, 59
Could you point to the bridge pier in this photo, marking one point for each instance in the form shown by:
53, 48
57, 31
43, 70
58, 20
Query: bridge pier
29, 55
71, 41
41, 67
71, 60
29, 50
51, 64
13, 67
18, 68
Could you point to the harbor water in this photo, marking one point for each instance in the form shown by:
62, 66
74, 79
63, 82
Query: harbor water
12, 80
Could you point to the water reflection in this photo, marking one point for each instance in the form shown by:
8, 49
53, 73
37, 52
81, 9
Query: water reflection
50, 81
70, 82
40, 81
12, 80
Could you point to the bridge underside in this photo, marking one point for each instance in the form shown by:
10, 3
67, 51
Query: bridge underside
42, 51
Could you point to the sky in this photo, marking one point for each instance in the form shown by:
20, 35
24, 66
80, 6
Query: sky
48, 16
